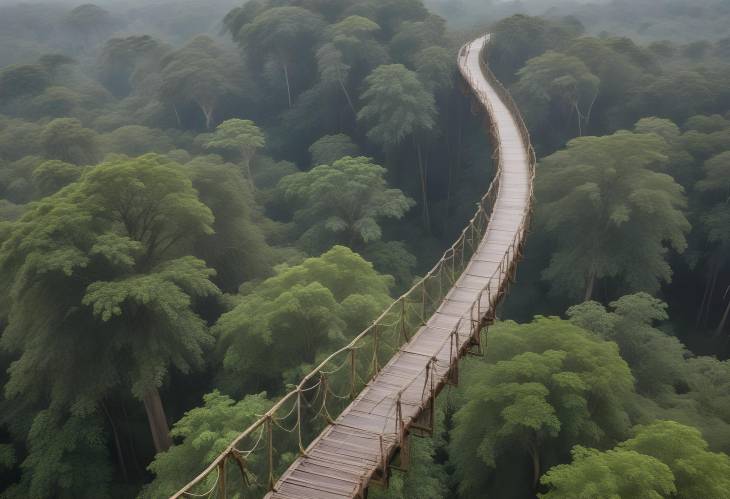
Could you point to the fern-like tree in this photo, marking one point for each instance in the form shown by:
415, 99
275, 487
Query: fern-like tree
100, 287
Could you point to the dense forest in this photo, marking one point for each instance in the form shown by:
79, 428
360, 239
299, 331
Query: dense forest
200, 200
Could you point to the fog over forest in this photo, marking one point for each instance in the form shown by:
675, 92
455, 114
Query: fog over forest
207, 206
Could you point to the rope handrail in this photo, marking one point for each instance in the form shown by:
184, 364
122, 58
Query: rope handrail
407, 320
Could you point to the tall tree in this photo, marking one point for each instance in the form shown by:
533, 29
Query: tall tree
347, 198
611, 214
397, 106
542, 388
105, 261
560, 82
200, 72
291, 318
281, 33
241, 136
715, 188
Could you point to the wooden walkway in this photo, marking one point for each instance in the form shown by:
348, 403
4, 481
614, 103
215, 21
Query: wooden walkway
356, 448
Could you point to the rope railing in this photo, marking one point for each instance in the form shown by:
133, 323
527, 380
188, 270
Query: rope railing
285, 431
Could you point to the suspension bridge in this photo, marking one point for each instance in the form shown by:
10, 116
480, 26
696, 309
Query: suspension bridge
349, 420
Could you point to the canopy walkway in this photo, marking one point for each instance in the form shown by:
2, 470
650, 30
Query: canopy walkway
348, 421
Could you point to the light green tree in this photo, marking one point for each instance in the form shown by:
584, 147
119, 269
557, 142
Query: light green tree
241, 136
347, 199
663, 459
295, 315
398, 106
203, 432
612, 215
542, 388
615, 473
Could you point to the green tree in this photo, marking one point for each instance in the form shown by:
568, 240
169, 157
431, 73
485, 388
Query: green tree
435, 68
292, 317
105, 261
615, 473
542, 388
397, 106
657, 360
202, 73
328, 149
236, 249
347, 198
67, 458
203, 432
52, 175
611, 213
65, 139
241, 136
697, 471
332, 70
715, 188
663, 459
281, 33
136, 140
20, 80
555, 80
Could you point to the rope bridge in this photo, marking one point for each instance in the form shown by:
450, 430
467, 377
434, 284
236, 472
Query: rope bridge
348, 421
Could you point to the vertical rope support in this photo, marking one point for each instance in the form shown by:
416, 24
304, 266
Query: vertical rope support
403, 320
270, 450
353, 387
222, 493
302, 452
376, 347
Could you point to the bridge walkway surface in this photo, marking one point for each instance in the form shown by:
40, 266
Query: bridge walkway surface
356, 447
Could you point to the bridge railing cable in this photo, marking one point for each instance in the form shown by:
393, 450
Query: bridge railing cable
251, 463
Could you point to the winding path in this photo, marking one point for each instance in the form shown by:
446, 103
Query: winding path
373, 430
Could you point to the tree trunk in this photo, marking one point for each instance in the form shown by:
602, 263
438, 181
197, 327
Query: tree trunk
177, 116
208, 113
424, 193
347, 96
725, 315
157, 420
247, 163
535, 455
117, 443
589, 286
288, 87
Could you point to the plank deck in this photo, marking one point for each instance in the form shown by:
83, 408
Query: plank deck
342, 460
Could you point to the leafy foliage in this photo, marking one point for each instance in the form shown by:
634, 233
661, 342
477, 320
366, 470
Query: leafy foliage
543, 387
347, 199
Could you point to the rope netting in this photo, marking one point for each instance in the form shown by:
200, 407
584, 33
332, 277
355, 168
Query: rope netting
251, 464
